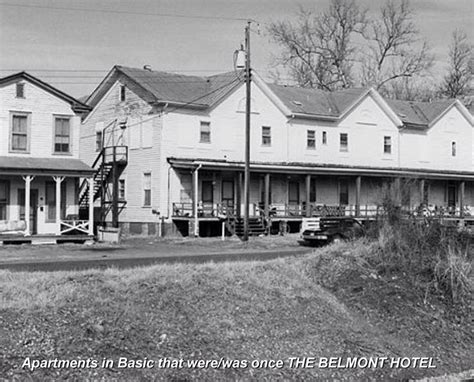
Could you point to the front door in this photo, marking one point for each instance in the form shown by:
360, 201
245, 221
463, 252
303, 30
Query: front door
451, 195
33, 208
207, 197
294, 193
228, 193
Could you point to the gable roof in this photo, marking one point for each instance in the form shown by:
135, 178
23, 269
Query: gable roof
171, 88
163, 88
77, 106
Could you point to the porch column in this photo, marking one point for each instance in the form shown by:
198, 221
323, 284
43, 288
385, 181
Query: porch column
28, 179
58, 180
308, 192
422, 190
398, 190
357, 195
266, 201
196, 200
91, 206
238, 195
461, 198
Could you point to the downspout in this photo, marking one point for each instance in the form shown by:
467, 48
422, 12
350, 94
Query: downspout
196, 194
169, 190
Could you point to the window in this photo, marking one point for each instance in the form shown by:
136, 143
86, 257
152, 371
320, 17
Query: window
205, 132
4, 191
325, 138
51, 201
453, 149
20, 90
311, 139
19, 137
121, 189
122, 93
293, 193
387, 145
147, 189
61, 135
266, 136
343, 192
98, 140
344, 142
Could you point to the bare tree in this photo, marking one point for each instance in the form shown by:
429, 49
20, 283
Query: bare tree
318, 49
395, 49
458, 79
334, 49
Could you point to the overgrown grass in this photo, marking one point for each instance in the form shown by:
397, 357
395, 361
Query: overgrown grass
433, 254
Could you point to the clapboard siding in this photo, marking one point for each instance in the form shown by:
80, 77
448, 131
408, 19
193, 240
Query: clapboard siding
41, 106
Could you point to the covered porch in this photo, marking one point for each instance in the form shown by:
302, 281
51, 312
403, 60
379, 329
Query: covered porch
39, 200
213, 190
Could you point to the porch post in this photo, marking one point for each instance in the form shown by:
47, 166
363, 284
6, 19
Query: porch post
461, 198
28, 179
91, 206
398, 190
266, 202
422, 191
58, 180
357, 195
308, 191
238, 195
196, 200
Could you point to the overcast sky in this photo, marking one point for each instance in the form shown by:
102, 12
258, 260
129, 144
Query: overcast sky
35, 39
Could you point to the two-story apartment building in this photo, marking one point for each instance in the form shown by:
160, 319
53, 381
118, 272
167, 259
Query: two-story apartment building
312, 152
40, 169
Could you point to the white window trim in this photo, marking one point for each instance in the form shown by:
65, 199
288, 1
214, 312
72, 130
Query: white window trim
54, 152
28, 132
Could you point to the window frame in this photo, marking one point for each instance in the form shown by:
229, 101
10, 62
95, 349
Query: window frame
99, 146
123, 93
204, 133
344, 148
266, 136
389, 145
20, 85
147, 191
26, 115
310, 139
122, 189
324, 139
453, 149
57, 117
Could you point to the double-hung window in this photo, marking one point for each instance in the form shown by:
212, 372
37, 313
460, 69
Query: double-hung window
311, 139
147, 189
387, 145
62, 135
266, 136
4, 193
205, 133
19, 132
344, 142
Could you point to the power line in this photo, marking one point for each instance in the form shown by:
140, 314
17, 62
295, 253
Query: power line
175, 15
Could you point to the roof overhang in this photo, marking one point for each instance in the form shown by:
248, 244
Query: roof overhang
319, 169
14, 165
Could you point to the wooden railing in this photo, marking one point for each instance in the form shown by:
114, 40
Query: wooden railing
283, 210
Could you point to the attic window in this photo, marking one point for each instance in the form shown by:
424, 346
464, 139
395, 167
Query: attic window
297, 103
122, 93
20, 90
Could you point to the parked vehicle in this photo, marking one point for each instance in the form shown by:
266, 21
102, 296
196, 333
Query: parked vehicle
330, 229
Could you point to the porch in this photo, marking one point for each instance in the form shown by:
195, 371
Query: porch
39, 200
287, 193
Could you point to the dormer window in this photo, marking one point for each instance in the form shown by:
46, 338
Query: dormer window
122, 93
20, 90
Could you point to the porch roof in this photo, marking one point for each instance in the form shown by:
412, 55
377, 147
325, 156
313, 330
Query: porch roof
320, 169
15, 165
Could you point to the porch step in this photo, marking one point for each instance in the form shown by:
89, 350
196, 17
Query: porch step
256, 227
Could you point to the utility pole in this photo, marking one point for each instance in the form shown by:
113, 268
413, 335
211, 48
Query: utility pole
247, 133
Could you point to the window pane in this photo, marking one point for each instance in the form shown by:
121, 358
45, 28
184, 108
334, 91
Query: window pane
205, 132
19, 124
343, 141
266, 136
311, 139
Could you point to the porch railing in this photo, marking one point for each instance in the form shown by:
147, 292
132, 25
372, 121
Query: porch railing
283, 210
74, 227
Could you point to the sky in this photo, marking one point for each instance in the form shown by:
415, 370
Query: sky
82, 46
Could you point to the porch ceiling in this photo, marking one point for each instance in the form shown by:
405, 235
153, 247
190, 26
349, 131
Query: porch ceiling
320, 169
14, 165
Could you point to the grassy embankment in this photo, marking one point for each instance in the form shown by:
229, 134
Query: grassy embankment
347, 300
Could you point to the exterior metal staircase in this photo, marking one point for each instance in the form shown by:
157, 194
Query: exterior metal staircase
109, 164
